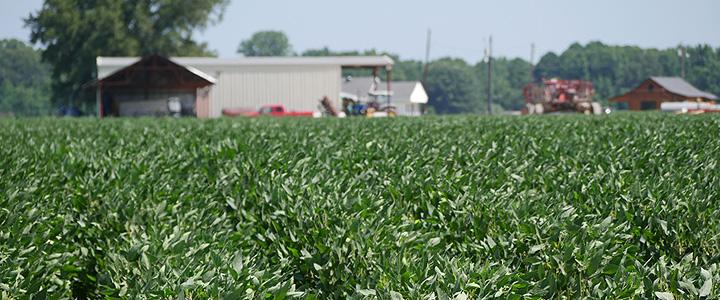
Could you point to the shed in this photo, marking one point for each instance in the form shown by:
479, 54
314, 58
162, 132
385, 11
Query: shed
656, 90
407, 96
152, 86
298, 83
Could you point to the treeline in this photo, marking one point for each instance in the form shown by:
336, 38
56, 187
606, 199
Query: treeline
24, 80
616, 69
30, 86
456, 86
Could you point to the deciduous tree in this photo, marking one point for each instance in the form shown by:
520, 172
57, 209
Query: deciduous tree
75, 32
24, 80
452, 87
266, 43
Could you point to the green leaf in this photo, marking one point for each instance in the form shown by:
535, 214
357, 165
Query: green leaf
664, 296
366, 292
688, 287
706, 288
237, 263
396, 296
434, 242
536, 248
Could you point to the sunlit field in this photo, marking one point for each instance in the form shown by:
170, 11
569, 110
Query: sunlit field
569, 206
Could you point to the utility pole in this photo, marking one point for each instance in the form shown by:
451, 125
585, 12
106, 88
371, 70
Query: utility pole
532, 62
427, 57
682, 61
426, 67
489, 82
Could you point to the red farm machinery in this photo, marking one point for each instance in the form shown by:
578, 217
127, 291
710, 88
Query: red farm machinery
555, 95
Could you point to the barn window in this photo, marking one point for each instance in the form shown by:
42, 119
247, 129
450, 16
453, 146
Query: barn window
651, 87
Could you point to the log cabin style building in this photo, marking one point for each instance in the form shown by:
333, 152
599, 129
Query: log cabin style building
656, 90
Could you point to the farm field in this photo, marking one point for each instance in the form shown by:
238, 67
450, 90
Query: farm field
568, 207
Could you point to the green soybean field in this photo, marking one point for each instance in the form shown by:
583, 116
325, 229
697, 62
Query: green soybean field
625, 206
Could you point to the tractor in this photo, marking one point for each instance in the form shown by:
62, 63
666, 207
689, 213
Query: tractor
555, 96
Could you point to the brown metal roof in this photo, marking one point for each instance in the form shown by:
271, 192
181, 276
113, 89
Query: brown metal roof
157, 71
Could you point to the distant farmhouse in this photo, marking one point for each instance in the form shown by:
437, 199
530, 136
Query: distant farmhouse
407, 96
204, 87
656, 90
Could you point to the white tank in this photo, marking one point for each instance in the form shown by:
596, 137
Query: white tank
686, 106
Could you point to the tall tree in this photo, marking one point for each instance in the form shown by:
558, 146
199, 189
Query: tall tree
24, 80
266, 43
509, 78
452, 87
612, 69
75, 32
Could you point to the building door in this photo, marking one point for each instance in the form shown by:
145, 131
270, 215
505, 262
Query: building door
648, 105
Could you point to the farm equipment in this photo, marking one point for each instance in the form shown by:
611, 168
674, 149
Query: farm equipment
329, 108
369, 109
556, 95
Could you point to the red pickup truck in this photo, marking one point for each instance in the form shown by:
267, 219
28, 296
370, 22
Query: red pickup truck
276, 110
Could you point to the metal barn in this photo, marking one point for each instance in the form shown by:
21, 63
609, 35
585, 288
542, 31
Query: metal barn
295, 82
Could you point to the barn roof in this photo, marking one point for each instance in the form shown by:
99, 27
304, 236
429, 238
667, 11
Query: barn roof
677, 85
155, 71
359, 86
403, 89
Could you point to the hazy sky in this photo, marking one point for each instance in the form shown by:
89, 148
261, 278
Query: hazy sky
460, 27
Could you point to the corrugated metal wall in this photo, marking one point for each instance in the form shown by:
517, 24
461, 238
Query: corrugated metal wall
296, 87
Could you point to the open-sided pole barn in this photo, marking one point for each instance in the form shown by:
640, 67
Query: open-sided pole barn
154, 86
